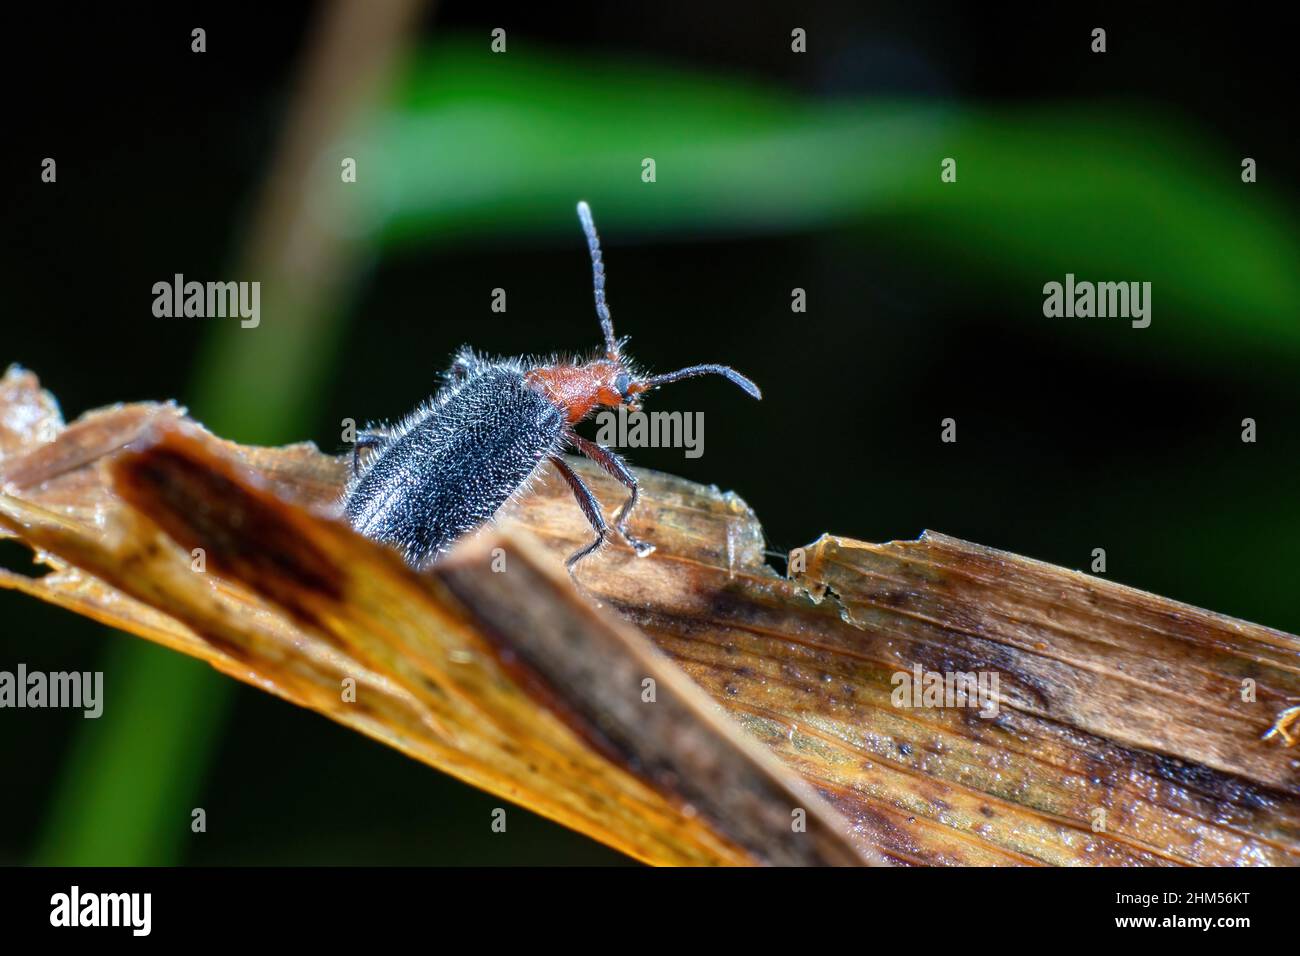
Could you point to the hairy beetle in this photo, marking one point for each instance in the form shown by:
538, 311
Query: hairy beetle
453, 462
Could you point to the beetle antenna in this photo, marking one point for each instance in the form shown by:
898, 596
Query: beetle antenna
695, 371
598, 279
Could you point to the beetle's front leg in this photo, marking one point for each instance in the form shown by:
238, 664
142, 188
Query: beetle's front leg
613, 464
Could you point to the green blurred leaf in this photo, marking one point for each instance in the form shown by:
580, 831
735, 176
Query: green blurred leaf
479, 143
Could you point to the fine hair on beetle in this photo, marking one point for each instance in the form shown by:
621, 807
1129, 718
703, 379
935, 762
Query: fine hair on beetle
448, 466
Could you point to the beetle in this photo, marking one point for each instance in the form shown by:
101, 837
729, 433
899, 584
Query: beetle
448, 466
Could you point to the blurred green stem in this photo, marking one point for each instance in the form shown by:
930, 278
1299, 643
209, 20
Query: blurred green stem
129, 786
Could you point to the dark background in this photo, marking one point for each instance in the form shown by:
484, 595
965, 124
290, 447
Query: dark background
1072, 434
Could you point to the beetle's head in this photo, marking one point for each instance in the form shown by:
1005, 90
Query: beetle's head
612, 381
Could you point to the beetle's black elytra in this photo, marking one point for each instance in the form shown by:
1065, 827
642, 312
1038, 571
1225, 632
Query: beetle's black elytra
449, 466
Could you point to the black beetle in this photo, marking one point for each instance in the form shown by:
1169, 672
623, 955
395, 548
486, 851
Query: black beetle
453, 462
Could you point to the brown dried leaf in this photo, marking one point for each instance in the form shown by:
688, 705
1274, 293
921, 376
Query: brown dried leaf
1111, 699
486, 676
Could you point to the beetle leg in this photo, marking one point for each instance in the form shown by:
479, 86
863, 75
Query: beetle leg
613, 463
590, 507
365, 440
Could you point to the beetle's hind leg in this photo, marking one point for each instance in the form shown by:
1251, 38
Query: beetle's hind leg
590, 507
612, 463
366, 439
